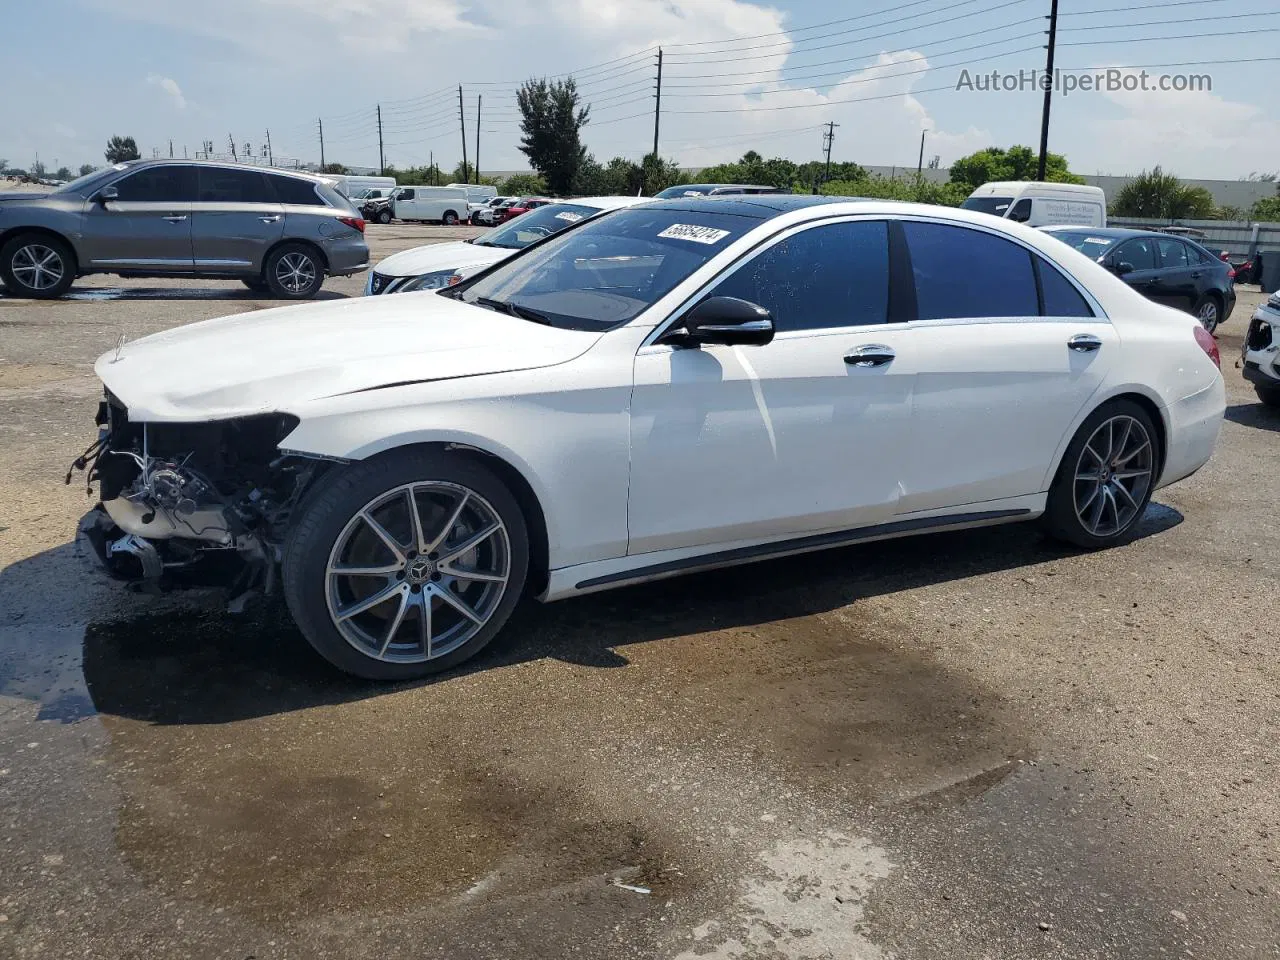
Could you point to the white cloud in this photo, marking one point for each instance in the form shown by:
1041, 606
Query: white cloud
169, 86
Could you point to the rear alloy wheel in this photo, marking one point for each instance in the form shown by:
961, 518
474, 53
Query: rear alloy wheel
1106, 479
294, 272
37, 266
450, 218
1209, 312
406, 565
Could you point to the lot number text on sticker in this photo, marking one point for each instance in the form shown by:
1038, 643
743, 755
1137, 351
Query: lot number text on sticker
570, 216
689, 231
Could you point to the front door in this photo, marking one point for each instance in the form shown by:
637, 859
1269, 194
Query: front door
1179, 272
236, 218
1134, 261
1005, 361
803, 435
146, 227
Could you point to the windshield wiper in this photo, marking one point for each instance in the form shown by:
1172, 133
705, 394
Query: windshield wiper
506, 306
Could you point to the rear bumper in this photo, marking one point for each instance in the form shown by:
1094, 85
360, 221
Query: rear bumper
346, 254
1194, 425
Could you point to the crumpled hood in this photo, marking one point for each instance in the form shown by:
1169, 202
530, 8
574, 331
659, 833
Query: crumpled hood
439, 256
278, 360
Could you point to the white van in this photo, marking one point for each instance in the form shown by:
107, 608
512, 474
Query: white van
443, 204
1041, 204
349, 186
478, 197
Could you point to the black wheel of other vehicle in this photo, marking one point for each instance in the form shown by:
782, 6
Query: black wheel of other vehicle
384, 216
294, 272
407, 564
256, 284
450, 218
38, 266
1208, 311
1268, 395
1106, 477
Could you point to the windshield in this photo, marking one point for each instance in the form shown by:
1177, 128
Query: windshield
685, 190
608, 270
537, 223
996, 206
83, 184
1087, 243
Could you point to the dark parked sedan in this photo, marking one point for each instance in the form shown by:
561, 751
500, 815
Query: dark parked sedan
1168, 269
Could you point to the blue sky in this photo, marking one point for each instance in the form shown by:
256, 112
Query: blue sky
737, 75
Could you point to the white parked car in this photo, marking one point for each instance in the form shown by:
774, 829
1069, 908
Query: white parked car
1262, 351
672, 387
432, 265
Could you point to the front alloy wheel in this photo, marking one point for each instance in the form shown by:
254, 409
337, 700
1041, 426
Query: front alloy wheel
37, 266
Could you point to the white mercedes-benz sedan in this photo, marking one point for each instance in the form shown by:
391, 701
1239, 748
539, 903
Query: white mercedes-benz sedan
667, 388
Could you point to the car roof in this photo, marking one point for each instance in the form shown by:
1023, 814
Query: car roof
227, 165
1111, 233
762, 206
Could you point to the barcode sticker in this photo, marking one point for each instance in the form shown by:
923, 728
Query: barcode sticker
694, 233
568, 215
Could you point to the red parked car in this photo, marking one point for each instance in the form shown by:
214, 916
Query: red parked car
523, 205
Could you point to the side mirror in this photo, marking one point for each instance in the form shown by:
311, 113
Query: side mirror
724, 320
1123, 267
107, 194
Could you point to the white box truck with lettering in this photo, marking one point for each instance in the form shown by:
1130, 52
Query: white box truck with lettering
1041, 204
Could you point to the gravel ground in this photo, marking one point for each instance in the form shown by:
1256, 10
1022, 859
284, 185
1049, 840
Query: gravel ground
975, 745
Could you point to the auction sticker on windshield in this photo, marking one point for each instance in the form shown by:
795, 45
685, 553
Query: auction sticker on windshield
571, 217
694, 233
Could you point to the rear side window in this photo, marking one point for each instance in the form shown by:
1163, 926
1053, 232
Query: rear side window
961, 272
300, 192
171, 184
836, 275
1173, 253
233, 186
1061, 298
1140, 253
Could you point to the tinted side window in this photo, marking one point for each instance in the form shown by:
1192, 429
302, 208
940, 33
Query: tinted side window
1173, 253
1141, 253
301, 192
1061, 298
1021, 211
830, 276
233, 186
170, 184
961, 272
405, 195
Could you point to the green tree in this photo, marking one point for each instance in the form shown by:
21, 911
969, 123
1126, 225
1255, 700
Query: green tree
523, 185
899, 188
752, 168
63, 173
4, 166
1229, 211
1159, 194
119, 149
1267, 210
1016, 163
86, 169
333, 168
38, 169
551, 123
656, 174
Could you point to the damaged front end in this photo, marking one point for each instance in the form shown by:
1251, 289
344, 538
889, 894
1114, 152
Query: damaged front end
193, 504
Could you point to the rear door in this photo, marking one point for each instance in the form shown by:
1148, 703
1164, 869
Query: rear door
147, 228
235, 220
1007, 352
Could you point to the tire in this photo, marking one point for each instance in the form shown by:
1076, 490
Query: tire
332, 532
294, 271
37, 266
1208, 311
256, 284
450, 218
1268, 395
1084, 477
384, 216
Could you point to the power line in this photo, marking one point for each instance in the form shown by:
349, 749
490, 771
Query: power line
1160, 23
1187, 36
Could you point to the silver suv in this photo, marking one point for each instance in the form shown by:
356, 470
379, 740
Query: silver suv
276, 232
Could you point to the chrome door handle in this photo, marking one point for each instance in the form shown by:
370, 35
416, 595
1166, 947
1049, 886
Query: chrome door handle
176, 218
870, 355
1084, 343
270, 219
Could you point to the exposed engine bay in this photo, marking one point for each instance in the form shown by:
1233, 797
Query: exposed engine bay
193, 504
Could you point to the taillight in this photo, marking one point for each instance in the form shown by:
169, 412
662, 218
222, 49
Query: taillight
1208, 345
355, 223
1231, 274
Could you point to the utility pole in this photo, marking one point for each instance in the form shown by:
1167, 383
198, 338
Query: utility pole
1048, 90
382, 160
828, 138
462, 119
171, 148
184, 151
320, 122
232, 140
435, 181
920, 162
271, 157
657, 105
479, 98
